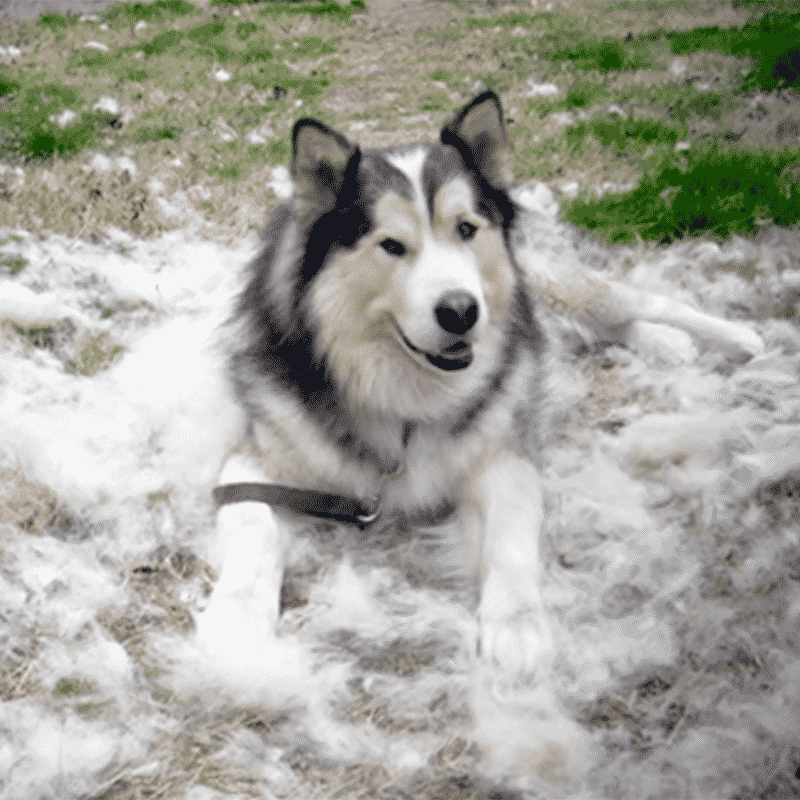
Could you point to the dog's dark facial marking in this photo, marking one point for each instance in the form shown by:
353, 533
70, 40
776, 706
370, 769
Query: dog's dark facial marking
478, 135
356, 187
445, 162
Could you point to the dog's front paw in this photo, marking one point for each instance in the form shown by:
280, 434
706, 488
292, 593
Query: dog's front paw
232, 626
245, 605
515, 639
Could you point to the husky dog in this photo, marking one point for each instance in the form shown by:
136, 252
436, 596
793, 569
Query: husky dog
387, 357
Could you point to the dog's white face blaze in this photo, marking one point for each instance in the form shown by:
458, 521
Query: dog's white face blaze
368, 300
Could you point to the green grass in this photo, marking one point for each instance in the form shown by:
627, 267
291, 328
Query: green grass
545, 19
328, 8
157, 11
12, 265
55, 21
39, 336
72, 686
580, 95
561, 38
719, 190
25, 125
653, 5
628, 135
772, 42
166, 74
95, 356
602, 55
183, 56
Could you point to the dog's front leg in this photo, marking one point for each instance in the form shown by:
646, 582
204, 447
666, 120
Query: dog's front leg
253, 542
513, 631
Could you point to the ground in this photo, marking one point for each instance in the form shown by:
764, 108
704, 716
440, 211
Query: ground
670, 465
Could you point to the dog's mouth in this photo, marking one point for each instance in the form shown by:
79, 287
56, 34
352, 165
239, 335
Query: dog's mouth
449, 359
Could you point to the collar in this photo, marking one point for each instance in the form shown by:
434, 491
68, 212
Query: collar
301, 501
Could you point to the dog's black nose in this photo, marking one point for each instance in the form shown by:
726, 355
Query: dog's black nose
457, 311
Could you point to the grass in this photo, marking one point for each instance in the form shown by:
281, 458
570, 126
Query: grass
12, 265
605, 56
772, 42
157, 11
719, 190
252, 65
328, 8
66, 687
171, 80
96, 355
291, 59
623, 134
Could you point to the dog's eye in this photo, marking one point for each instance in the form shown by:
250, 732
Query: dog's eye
393, 247
466, 230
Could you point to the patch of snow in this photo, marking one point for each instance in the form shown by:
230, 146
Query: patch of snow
537, 197
64, 118
570, 189
103, 163
613, 188
362, 125
679, 66
109, 105
562, 118
534, 89
261, 135
281, 183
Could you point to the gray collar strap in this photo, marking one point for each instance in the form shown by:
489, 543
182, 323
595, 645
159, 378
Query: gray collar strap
301, 501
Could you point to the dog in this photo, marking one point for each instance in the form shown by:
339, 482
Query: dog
388, 359
386, 354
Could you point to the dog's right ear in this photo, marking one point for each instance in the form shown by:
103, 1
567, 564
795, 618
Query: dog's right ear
323, 163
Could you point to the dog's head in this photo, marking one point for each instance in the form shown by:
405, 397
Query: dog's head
406, 268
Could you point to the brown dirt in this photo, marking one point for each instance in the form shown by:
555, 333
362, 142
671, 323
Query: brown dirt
26, 9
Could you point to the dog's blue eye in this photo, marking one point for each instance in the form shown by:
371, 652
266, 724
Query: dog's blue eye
466, 230
393, 247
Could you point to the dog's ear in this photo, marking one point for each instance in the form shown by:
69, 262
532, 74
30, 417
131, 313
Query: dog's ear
479, 134
323, 161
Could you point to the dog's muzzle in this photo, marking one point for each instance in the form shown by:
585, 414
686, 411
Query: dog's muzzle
456, 356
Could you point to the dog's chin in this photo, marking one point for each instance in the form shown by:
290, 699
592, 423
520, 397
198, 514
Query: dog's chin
451, 359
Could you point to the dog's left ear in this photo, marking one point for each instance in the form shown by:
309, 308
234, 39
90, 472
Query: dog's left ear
479, 134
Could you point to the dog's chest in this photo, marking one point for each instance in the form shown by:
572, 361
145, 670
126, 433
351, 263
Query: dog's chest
429, 471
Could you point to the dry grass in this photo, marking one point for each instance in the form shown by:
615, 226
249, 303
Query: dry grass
391, 76
184, 132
